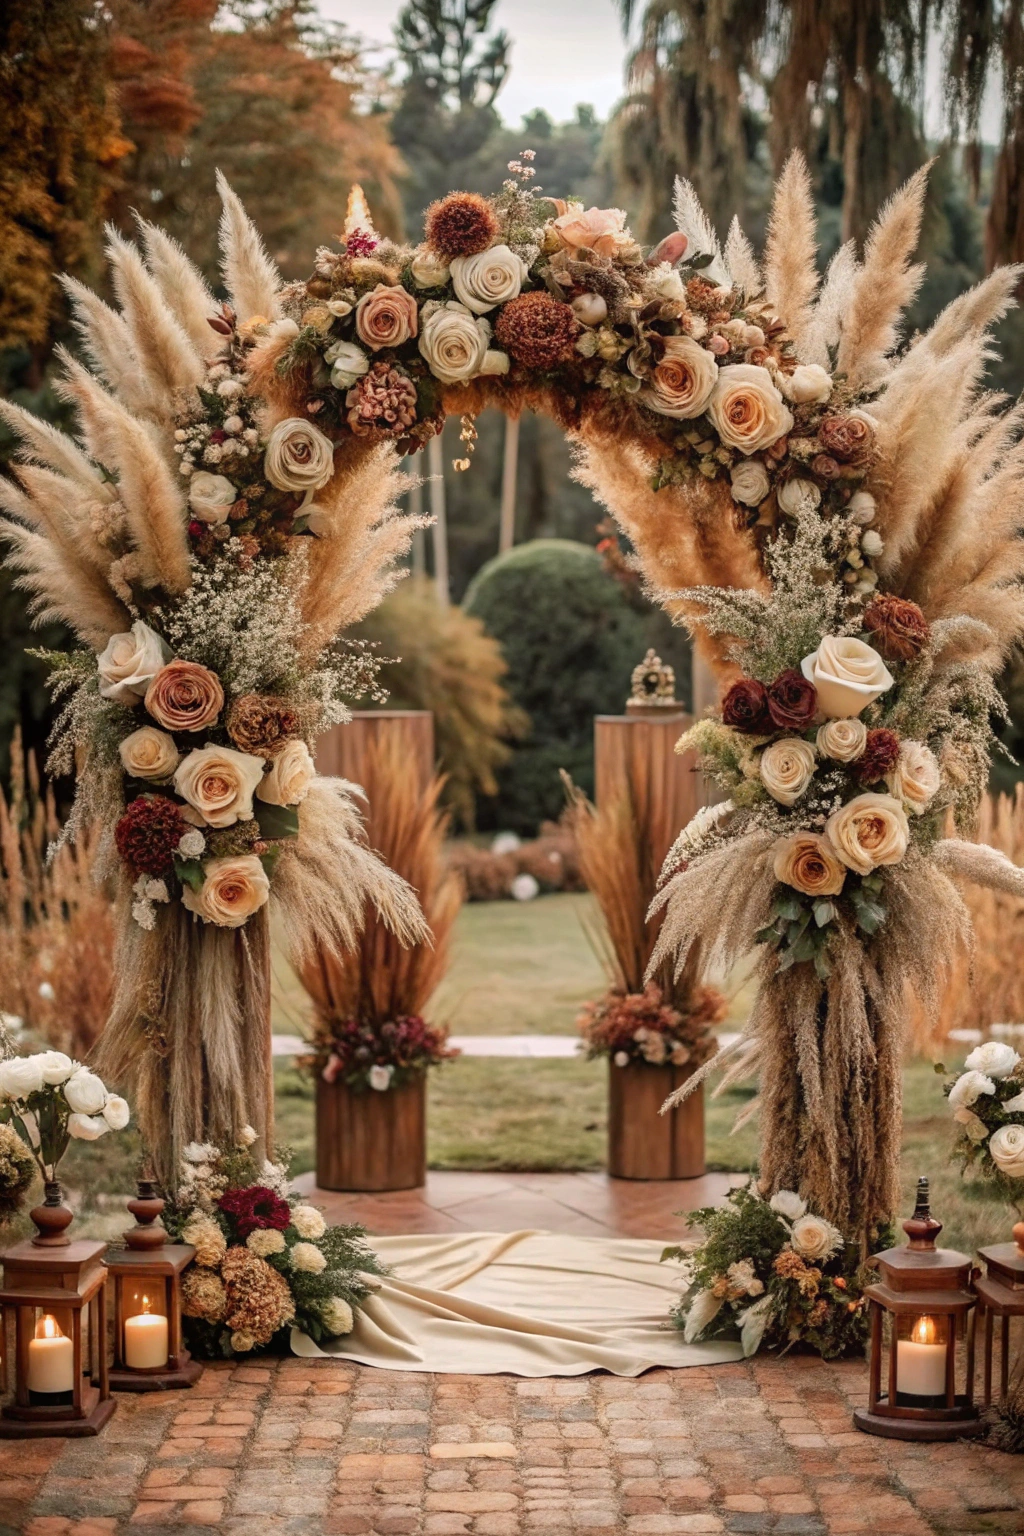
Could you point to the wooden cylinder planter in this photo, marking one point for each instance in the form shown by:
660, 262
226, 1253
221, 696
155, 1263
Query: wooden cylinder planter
369, 1140
643, 1144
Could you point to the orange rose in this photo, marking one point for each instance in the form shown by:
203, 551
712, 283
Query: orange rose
184, 696
386, 317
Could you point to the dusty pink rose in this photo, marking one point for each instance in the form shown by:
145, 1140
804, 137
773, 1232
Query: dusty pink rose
185, 696
386, 317
596, 229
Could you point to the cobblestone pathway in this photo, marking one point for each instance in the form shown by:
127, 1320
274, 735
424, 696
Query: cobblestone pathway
327, 1449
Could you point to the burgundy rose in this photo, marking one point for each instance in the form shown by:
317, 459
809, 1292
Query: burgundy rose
792, 701
745, 707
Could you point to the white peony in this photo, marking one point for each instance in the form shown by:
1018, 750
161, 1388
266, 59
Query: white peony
488, 278
129, 662
348, 363
995, 1059
55, 1067
750, 483
308, 1259
807, 384
786, 1202
211, 497
87, 1127
116, 1112
308, 1222
454, 342
796, 496
380, 1078
85, 1093
1007, 1148
968, 1089
21, 1076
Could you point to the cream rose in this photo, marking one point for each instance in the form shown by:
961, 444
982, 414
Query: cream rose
750, 483
808, 863
348, 363
386, 317
428, 269
869, 831
848, 675
808, 384
129, 662
786, 1202
814, 1238
915, 779
297, 456
290, 775
747, 409
786, 768
454, 342
968, 1089
974, 1126
842, 740
211, 497
219, 783
595, 229
489, 278
233, 889
149, 754
995, 1058
1007, 1149
683, 381
796, 496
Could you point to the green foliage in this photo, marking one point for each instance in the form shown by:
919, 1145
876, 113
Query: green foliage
570, 639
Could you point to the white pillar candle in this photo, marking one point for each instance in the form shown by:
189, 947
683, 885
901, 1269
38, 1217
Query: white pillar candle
51, 1360
145, 1341
921, 1362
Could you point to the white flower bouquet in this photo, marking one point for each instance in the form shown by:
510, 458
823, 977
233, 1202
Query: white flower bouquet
51, 1101
987, 1102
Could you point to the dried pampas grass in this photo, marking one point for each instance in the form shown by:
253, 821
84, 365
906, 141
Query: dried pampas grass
251, 278
790, 258
884, 286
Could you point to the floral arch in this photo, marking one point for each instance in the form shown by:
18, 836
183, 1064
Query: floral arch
833, 514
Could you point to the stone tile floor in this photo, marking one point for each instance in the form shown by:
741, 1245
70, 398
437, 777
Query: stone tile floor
325, 1448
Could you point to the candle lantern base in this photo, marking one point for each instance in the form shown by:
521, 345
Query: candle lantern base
66, 1423
147, 1279
958, 1423
158, 1378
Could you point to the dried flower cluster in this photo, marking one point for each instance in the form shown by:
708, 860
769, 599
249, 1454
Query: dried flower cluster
371, 1054
644, 1026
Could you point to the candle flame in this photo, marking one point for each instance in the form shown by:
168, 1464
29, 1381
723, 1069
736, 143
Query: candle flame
48, 1328
145, 1303
924, 1331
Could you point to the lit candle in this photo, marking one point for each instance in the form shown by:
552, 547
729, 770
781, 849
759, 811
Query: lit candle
921, 1362
51, 1359
145, 1340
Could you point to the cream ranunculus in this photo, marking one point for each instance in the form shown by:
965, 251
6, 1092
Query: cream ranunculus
747, 409
870, 830
428, 269
814, 1238
842, 740
995, 1058
453, 341
348, 363
129, 662
786, 768
116, 1112
750, 483
149, 754
968, 1089
808, 863
916, 777
808, 384
233, 889
211, 497
1007, 1149
219, 783
298, 457
683, 381
596, 229
291, 773
489, 278
848, 675
796, 496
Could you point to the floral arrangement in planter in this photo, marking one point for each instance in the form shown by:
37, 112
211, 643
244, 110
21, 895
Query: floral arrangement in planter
774, 1274
646, 1027
987, 1101
367, 1054
265, 1262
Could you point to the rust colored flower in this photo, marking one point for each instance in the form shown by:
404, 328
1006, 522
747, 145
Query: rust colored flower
898, 627
184, 696
148, 833
259, 1300
824, 466
745, 707
460, 225
261, 723
537, 330
850, 439
792, 701
382, 401
880, 755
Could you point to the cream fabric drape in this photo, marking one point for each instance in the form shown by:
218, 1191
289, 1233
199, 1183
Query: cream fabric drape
528, 1303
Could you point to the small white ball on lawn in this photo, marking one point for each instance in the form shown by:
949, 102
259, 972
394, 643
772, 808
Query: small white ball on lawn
524, 887
505, 842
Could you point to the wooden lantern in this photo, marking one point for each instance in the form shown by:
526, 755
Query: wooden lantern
149, 1355
926, 1294
1000, 1293
55, 1294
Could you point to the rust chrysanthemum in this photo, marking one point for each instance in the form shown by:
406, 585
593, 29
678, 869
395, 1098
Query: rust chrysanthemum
461, 224
148, 833
383, 400
881, 751
897, 626
537, 330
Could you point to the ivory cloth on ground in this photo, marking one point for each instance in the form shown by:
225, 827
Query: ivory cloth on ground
529, 1303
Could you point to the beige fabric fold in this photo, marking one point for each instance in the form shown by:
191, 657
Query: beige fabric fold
526, 1303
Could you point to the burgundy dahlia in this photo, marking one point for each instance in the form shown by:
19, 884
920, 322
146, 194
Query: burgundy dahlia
148, 833
792, 701
881, 751
255, 1208
745, 707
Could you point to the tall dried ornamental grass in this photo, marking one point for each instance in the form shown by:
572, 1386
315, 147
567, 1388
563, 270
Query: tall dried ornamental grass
56, 923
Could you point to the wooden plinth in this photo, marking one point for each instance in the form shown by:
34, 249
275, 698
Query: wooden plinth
664, 785
343, 752
642, 1144
63, 1423
962, 1428
371, 1141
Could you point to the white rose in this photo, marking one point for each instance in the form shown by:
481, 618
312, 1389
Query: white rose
233, 889
349, 363
129, 662
219, 783
380, 1078
848, 675
87, 1127
916, 777
786, 769
968, 1089
796, 496
814, 1238
1007, 1148
489, 278
85, 1093
308, 1259
750, 483
211, 496
292, 771
747, 409
862, 507
974, 1126
995, 1058
869, 831
55, 1067
308, 1222
116, 1112
808, 384
453, 341
21, 1076
842, 740
428, 269
297, 456
149, 754
786, 1202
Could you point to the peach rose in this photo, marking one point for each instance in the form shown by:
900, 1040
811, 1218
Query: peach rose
149, 754
218, 782
602, 230
233, 889
842, 740
869, 831
184, 696
290, 774
747, 409
848, 675
682, 383
386, 317
915, 779
786, 768
808, 863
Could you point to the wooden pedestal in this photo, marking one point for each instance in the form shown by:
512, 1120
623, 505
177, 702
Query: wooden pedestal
371, 1141
643, 1144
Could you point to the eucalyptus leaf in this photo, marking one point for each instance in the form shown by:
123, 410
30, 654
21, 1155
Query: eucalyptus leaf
277, 821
